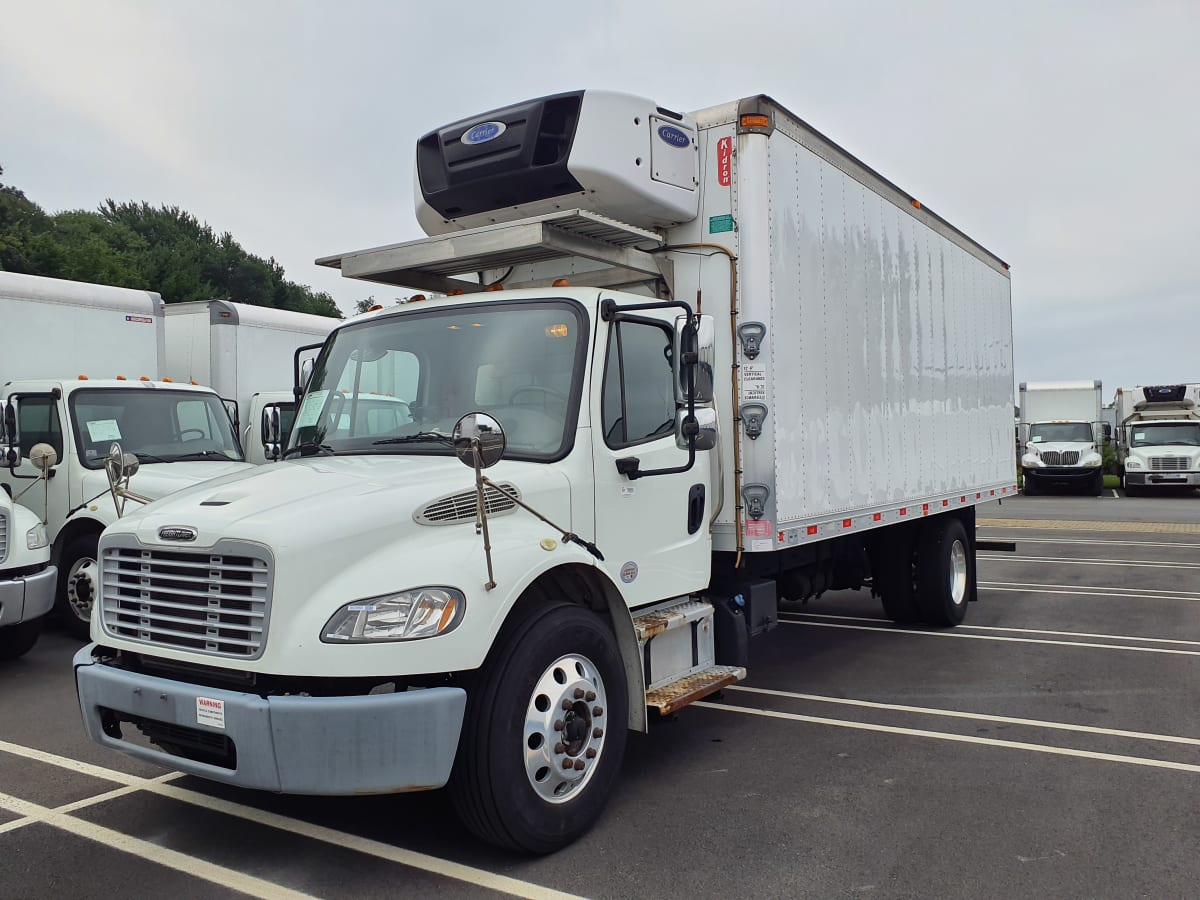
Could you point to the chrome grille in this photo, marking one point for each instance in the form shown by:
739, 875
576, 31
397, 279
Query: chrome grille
202, 601
1169, 463
461, 507
1060, 458
3, 536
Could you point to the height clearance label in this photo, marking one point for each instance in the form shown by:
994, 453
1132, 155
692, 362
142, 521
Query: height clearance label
754, 383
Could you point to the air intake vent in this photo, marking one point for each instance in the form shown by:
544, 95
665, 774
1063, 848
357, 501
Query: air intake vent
455, 508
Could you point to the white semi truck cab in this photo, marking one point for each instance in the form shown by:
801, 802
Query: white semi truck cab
1062, 431
672, 412
27, 580
1158, 437
180, 433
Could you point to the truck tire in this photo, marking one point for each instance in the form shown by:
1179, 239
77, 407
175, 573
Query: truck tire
1096, 484
894, 578
77, 576
943, 572
544, 732
1029, 487
1130, 490
17, 640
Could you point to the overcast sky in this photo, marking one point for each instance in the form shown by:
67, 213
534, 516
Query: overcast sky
1063, 136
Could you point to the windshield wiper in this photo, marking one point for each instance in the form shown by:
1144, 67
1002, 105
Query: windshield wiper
149, 457
420, 436
309, 450
202, 454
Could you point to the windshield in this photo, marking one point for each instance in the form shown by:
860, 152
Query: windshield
399, 383
1182, 434
158, 425
1048, 432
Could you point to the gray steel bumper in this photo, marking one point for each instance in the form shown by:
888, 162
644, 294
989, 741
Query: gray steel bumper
27, 596
1163, 479
373, 744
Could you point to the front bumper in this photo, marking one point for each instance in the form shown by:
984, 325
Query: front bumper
1061, 474
1162, 479
27, 597
368, 744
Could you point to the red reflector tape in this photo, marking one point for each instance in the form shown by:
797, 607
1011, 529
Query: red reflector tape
977, 496
846, 523
924, 507
877, 516
962, 499
945, 503
781, 537
812, 529
993, 493
904, 510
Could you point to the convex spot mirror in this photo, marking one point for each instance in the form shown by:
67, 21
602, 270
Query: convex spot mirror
43, 457
10, 438
269, 430
479, 435
702, 341
706, 428
119, 465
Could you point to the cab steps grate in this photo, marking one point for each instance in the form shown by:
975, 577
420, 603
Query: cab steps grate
690, 688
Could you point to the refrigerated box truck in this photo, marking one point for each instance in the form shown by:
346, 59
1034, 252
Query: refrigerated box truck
238, 349
1158, 437
80, 369
1062, 432
722, 360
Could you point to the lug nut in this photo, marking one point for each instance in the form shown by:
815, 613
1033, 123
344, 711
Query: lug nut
579, 765
566, 704
559, 725
597, 710
578, 693
597, 732
591, 753
567, 764
560, 748
591, 695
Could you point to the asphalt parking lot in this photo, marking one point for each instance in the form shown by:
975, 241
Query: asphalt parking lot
1049, 747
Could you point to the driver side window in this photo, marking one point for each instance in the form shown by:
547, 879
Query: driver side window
638, 399
38, 416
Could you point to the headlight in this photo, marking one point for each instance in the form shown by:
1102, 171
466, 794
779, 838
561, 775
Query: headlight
1132, 463
407, 616
1031, 461
36, 538
1092, 460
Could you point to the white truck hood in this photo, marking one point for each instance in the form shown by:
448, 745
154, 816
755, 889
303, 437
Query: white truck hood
157, 480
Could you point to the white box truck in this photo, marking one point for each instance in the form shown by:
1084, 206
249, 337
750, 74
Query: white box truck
27, 580
775, 375
81, 370
238, 350
1158, 437
1062, 432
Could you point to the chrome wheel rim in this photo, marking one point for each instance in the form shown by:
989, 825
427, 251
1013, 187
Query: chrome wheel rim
958, 573
81, 588
565, 721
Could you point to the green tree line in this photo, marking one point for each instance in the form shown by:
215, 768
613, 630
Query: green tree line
135, 245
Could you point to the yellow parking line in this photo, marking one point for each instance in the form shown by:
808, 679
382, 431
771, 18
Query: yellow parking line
1085, 525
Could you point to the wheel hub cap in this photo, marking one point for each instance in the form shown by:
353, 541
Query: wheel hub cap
565, 722
81, 588
958, 573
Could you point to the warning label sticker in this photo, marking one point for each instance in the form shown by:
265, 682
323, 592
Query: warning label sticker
758, 528
210, 712
754, 383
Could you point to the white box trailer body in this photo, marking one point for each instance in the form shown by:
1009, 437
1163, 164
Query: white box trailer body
1158, 437
806, 385
238, 349
1061, 427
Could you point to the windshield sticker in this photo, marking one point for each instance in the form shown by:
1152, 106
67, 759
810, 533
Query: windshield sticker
310, 411
1037, 438
104, 430
1139, 435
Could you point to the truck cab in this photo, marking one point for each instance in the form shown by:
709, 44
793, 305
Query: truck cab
1158, 440
27, 580
1062, 436
181, 434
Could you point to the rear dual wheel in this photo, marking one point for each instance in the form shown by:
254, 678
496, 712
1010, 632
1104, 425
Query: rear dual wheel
925, 574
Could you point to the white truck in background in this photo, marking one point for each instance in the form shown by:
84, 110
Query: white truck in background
27, 580
1158, 437
240, 350
694, 363
81, 369
1062, 433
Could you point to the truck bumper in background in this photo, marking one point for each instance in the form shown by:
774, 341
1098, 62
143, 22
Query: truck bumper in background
1061, 474
27, 597
1162, 479
369, 744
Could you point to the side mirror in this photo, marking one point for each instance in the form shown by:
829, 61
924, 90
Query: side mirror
269, 431
699, 339
479, 440
43, 457
703, 425
306, 370
10, 437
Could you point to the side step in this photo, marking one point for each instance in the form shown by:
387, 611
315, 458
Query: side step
691, 688
676, 639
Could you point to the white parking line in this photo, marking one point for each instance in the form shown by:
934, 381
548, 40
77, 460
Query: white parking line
1077, 634
992, 637
1092, 561
1087, 591
978, 717
172, 859
956, 738
1115, 494
89, 801
1032, 540
411, 858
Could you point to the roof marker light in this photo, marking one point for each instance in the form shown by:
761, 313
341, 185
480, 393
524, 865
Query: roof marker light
83, 378
121, 378
561, 282
167, 381
494, 287
416, 298
751, 120
375, 307
916, 203
144, 378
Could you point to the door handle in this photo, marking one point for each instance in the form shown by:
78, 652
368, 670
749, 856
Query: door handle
695, 508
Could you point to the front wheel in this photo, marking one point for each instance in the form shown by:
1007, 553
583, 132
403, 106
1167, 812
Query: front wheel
1130, 489
78, 580
544, 732
943, 571
1096, 484
17, 640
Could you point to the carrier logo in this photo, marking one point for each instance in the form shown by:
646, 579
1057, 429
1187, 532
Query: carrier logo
673, 136
483, 132
176, 533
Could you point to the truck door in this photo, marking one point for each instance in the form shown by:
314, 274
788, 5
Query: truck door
39, 421
652, 530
